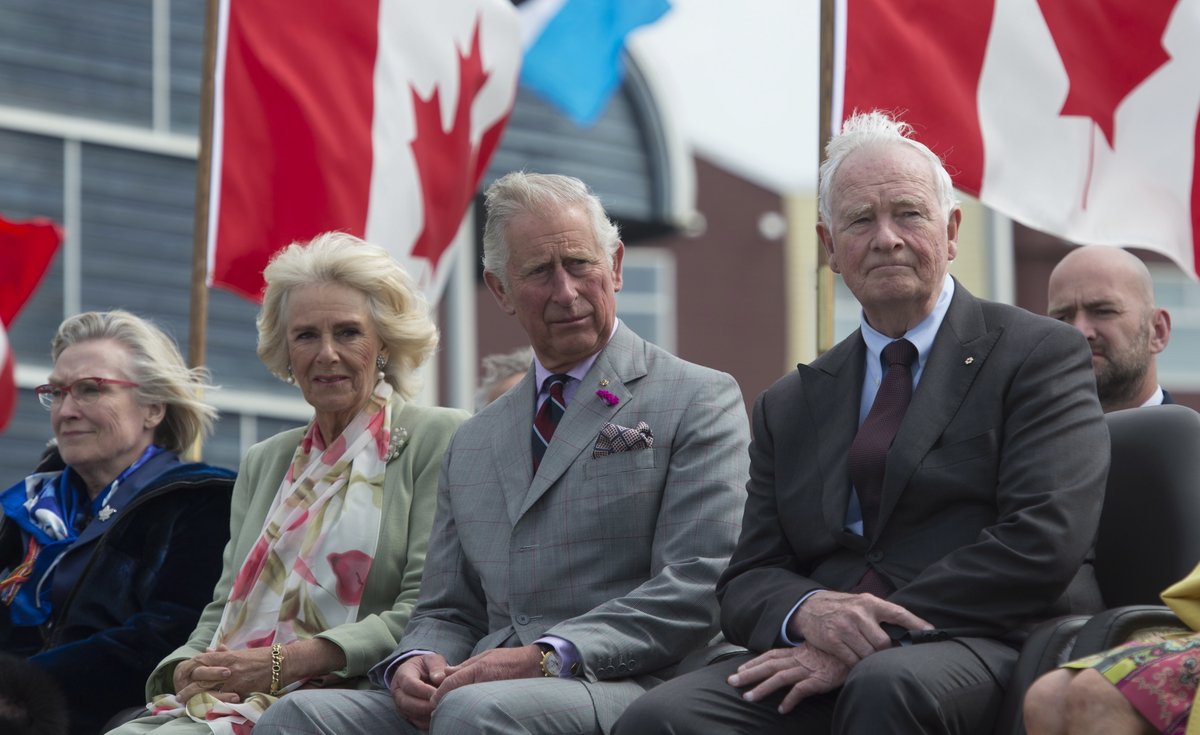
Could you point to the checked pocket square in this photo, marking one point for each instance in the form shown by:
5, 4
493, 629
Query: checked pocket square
616, 438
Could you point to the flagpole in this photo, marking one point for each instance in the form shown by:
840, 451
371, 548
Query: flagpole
198, 315
825, 288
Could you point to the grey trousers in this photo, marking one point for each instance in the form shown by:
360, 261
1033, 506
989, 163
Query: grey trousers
520, 706
929, 689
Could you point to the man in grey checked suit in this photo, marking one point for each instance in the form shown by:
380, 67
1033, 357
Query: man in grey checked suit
983, 518
552, 599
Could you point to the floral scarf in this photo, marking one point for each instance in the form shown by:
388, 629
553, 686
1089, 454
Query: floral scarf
306, 572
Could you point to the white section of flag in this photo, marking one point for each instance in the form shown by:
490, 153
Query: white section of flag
417, 29
8, 388
1037, 162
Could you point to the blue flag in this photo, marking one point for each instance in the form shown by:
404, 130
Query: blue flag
575, 62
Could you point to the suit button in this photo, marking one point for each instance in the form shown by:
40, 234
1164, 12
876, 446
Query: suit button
522, 620
875, 556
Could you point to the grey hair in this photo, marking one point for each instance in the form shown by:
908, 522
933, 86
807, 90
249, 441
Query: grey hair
519, 192
399, 310
500, 367
162, 375
877, 128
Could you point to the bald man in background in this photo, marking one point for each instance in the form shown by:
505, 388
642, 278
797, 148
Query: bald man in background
1107, 293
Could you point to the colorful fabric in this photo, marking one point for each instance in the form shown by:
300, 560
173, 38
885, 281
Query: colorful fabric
1158, 677
51, 509
307, 570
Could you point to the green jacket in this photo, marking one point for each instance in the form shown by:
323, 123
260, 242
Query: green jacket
410, 495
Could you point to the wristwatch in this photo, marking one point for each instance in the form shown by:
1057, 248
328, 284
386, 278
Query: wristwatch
552, 663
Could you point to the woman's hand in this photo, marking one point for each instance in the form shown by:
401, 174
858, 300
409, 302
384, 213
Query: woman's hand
233, 675
249, 669
201, 674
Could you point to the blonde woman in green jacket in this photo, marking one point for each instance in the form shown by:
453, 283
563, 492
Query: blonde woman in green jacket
330, 522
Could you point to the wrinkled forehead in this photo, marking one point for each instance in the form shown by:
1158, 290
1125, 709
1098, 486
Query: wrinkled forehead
551, 234
883, 172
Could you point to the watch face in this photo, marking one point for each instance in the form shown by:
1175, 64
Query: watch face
552, 663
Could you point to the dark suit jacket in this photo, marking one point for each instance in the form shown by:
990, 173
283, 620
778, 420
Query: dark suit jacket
992, 494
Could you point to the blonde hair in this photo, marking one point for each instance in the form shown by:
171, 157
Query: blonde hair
158, 368
399, 310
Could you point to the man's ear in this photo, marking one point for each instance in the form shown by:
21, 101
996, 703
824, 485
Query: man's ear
499, 292
1160, 330
826, 240
618, 256
952, 223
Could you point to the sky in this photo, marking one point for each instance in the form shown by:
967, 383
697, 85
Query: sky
742, 80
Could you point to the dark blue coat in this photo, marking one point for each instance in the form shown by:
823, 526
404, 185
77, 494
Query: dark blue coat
141, 583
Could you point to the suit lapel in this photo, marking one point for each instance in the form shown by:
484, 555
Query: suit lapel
511, 453
622, 361
831, 385
959, 352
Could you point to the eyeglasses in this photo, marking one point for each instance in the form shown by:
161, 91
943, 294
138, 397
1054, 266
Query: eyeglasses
84, 390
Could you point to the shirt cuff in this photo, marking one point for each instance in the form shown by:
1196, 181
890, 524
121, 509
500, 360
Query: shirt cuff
783, 629
391, 669
567, 653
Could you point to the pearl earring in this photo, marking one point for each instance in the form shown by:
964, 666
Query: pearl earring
290, 377
380, 364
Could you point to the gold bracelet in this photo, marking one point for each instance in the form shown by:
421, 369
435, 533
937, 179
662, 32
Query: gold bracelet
276, 669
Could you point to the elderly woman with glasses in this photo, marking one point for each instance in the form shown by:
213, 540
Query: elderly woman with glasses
109, 550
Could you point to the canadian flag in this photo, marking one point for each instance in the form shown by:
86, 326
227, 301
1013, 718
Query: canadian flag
26, 249
375, 117
1075, 118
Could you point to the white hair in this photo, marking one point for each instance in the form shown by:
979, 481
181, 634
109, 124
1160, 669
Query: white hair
877, 128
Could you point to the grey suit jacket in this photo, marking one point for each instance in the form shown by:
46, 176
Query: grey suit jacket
619, 554
992, 493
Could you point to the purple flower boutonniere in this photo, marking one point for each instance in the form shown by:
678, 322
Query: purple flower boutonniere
609, 398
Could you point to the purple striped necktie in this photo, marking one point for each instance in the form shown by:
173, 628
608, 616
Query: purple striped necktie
547, 418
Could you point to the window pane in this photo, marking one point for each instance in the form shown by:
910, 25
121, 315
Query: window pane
77, 57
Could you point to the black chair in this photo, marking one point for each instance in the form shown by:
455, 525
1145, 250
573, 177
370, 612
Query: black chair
1149, 538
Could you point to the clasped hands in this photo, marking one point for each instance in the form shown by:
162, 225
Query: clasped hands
224, 673
839, 629
421, 682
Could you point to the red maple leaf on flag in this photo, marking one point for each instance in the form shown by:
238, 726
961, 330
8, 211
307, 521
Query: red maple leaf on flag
448, 166
1107, 52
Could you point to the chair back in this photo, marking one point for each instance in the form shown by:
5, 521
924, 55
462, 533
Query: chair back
1149, 533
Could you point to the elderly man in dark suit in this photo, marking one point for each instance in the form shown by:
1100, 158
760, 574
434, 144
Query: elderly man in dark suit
583, 517
909, 518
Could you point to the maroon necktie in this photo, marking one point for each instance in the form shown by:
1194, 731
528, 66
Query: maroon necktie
548, 416
868, 453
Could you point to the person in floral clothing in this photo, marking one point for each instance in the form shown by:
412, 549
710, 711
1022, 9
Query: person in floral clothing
331, 521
